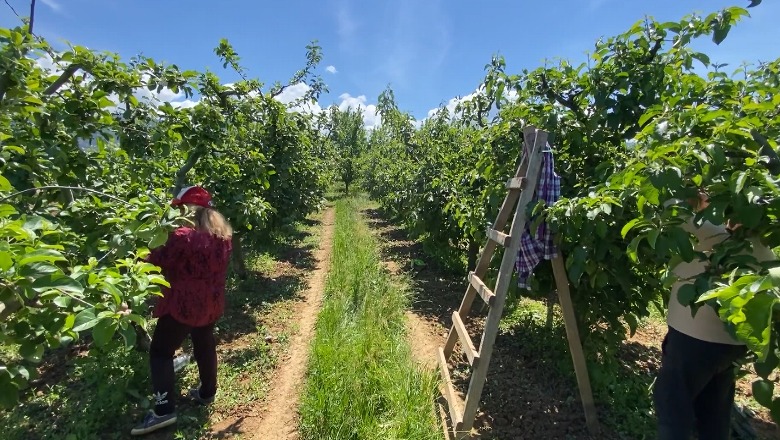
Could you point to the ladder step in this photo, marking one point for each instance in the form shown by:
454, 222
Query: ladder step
483, 291
515, 183
454, 402
499, 237
465, 340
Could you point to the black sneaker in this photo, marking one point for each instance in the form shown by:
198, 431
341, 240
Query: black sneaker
152, 422
195, 395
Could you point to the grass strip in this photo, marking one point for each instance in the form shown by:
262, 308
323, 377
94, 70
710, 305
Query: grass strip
362, 382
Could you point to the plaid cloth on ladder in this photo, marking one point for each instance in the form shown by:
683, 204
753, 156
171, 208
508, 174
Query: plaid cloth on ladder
535, 247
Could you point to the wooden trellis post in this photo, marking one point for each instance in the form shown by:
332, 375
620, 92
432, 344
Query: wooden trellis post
521, 190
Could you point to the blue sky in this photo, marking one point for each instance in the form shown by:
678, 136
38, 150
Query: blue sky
428, 51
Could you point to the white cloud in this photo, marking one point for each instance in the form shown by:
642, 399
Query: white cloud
176, 99
452, 105
510, 95
52, 4
332, 69
293, 94
47, 64
371, 116
187, 103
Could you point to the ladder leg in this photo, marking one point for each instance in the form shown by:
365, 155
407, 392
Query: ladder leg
575, 347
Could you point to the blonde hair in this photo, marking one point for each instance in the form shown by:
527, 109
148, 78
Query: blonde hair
211, 221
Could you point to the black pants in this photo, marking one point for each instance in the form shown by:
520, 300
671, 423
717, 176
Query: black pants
695, 388
168, 337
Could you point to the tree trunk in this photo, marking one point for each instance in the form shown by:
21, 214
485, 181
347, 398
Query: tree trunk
551, 298
239, 264
143, 341
473, 253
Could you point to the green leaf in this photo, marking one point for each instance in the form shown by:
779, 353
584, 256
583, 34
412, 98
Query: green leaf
104, 330
766, 367
722, 294
9, 393
63, 301
632, 322
755, 330
647, 115
31, 352
763, 390
683, 241
36, 270
7, 210
60, 282
628, 226
5, 185
721, 27
652, 236
686, 294
5, 260
738, 181
632, 248
22, 371
128, 334
159, 279
159, 239
85, 320
703, 58
70, 321
41, 255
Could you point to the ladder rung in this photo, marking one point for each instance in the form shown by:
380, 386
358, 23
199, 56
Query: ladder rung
515, 183
449, 393
483, 291
465, 340
499, 237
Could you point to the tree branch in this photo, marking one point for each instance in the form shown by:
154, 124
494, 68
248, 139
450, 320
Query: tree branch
275, 93
653, 51
66, 75
181, 175
567, 102
77, 188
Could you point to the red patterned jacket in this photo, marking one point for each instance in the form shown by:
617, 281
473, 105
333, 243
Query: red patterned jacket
195, 264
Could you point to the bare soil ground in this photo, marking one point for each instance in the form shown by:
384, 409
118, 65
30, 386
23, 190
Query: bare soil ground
275, 418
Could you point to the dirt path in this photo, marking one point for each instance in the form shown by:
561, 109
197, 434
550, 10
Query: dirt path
426, 337
276, 417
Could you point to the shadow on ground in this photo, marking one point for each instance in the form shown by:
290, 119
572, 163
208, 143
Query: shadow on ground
259, 291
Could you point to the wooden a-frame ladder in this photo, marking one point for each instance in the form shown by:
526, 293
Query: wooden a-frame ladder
521, 190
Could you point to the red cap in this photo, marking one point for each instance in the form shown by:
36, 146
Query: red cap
193, 195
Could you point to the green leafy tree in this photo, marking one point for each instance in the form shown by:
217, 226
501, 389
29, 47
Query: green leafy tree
347, 134
88, 160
